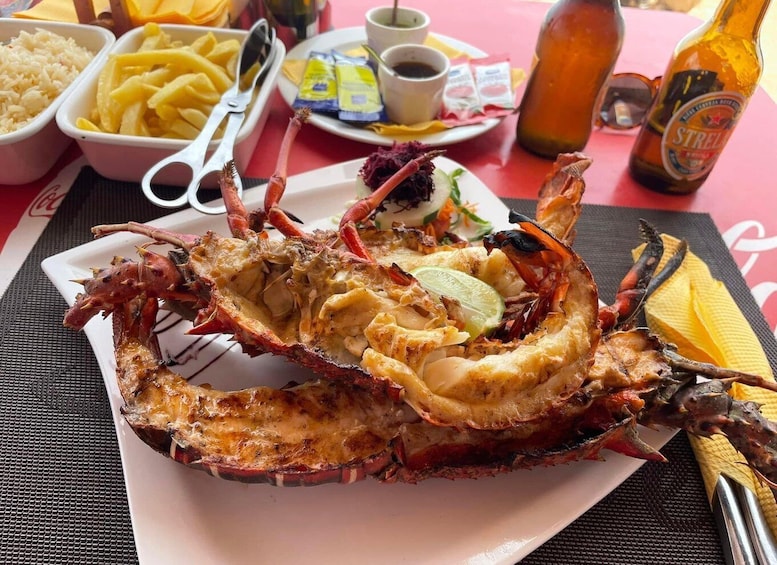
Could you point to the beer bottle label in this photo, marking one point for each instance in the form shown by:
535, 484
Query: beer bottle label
697, 132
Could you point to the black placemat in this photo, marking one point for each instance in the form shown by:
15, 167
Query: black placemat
62, 497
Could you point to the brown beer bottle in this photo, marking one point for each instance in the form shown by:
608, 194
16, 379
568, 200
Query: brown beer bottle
577, 47
713, 73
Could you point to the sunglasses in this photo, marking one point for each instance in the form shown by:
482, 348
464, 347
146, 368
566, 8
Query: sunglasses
626, 100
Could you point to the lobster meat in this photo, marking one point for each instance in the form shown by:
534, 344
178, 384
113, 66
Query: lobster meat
404, 394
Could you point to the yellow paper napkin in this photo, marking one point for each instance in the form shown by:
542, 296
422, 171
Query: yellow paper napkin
187, 12
58, 11
209, 13
421, 128
294, 69
697, 314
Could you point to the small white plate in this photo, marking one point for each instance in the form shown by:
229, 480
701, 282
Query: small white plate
350, 38
181, 515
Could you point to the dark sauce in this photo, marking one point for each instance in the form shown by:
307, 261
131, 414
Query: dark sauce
415, 69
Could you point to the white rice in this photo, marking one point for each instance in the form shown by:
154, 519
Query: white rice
35, 68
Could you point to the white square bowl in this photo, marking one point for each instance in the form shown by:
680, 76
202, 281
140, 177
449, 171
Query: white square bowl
29, 152
128, 157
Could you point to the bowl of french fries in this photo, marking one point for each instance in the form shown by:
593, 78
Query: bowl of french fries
153, 95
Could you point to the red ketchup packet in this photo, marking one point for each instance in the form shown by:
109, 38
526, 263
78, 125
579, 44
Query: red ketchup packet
478, 89
460, 100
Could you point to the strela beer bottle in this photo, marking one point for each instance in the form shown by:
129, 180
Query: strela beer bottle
577, 47
713, 73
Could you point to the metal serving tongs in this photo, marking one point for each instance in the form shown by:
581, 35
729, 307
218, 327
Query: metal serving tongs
259, 47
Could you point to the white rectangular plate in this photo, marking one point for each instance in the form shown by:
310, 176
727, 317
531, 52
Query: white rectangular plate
181, 515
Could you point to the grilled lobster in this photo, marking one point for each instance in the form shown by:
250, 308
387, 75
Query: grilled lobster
403, 393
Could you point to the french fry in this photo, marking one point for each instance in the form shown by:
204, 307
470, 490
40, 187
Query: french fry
89, 125
167, 114
173, 91
158, 77
107, 108
152, 30
129, 91
132, 122
224, 52
181, 56
155, 128
204, 44
171, 112
194, 116
197, 105
183, 129
156, 41
165, 88
202, 89
208, 97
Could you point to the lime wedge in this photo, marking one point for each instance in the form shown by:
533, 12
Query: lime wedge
481, 304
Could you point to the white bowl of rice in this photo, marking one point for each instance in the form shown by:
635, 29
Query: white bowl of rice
41, 63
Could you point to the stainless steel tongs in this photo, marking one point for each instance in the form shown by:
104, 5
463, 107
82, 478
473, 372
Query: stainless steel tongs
259, 47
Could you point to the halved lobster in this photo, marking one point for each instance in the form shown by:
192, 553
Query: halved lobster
404, 394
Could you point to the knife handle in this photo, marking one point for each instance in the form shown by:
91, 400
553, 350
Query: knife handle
760, 534
737, 547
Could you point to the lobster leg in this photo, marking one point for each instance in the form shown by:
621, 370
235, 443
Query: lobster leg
238, 218
705, 408
633, 287
558, 206
277, 184
155, 275
160, 235
640, 281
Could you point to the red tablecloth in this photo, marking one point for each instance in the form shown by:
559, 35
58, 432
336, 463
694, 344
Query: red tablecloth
738, 194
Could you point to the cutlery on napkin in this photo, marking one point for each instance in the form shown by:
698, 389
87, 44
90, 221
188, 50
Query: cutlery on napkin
696, 313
